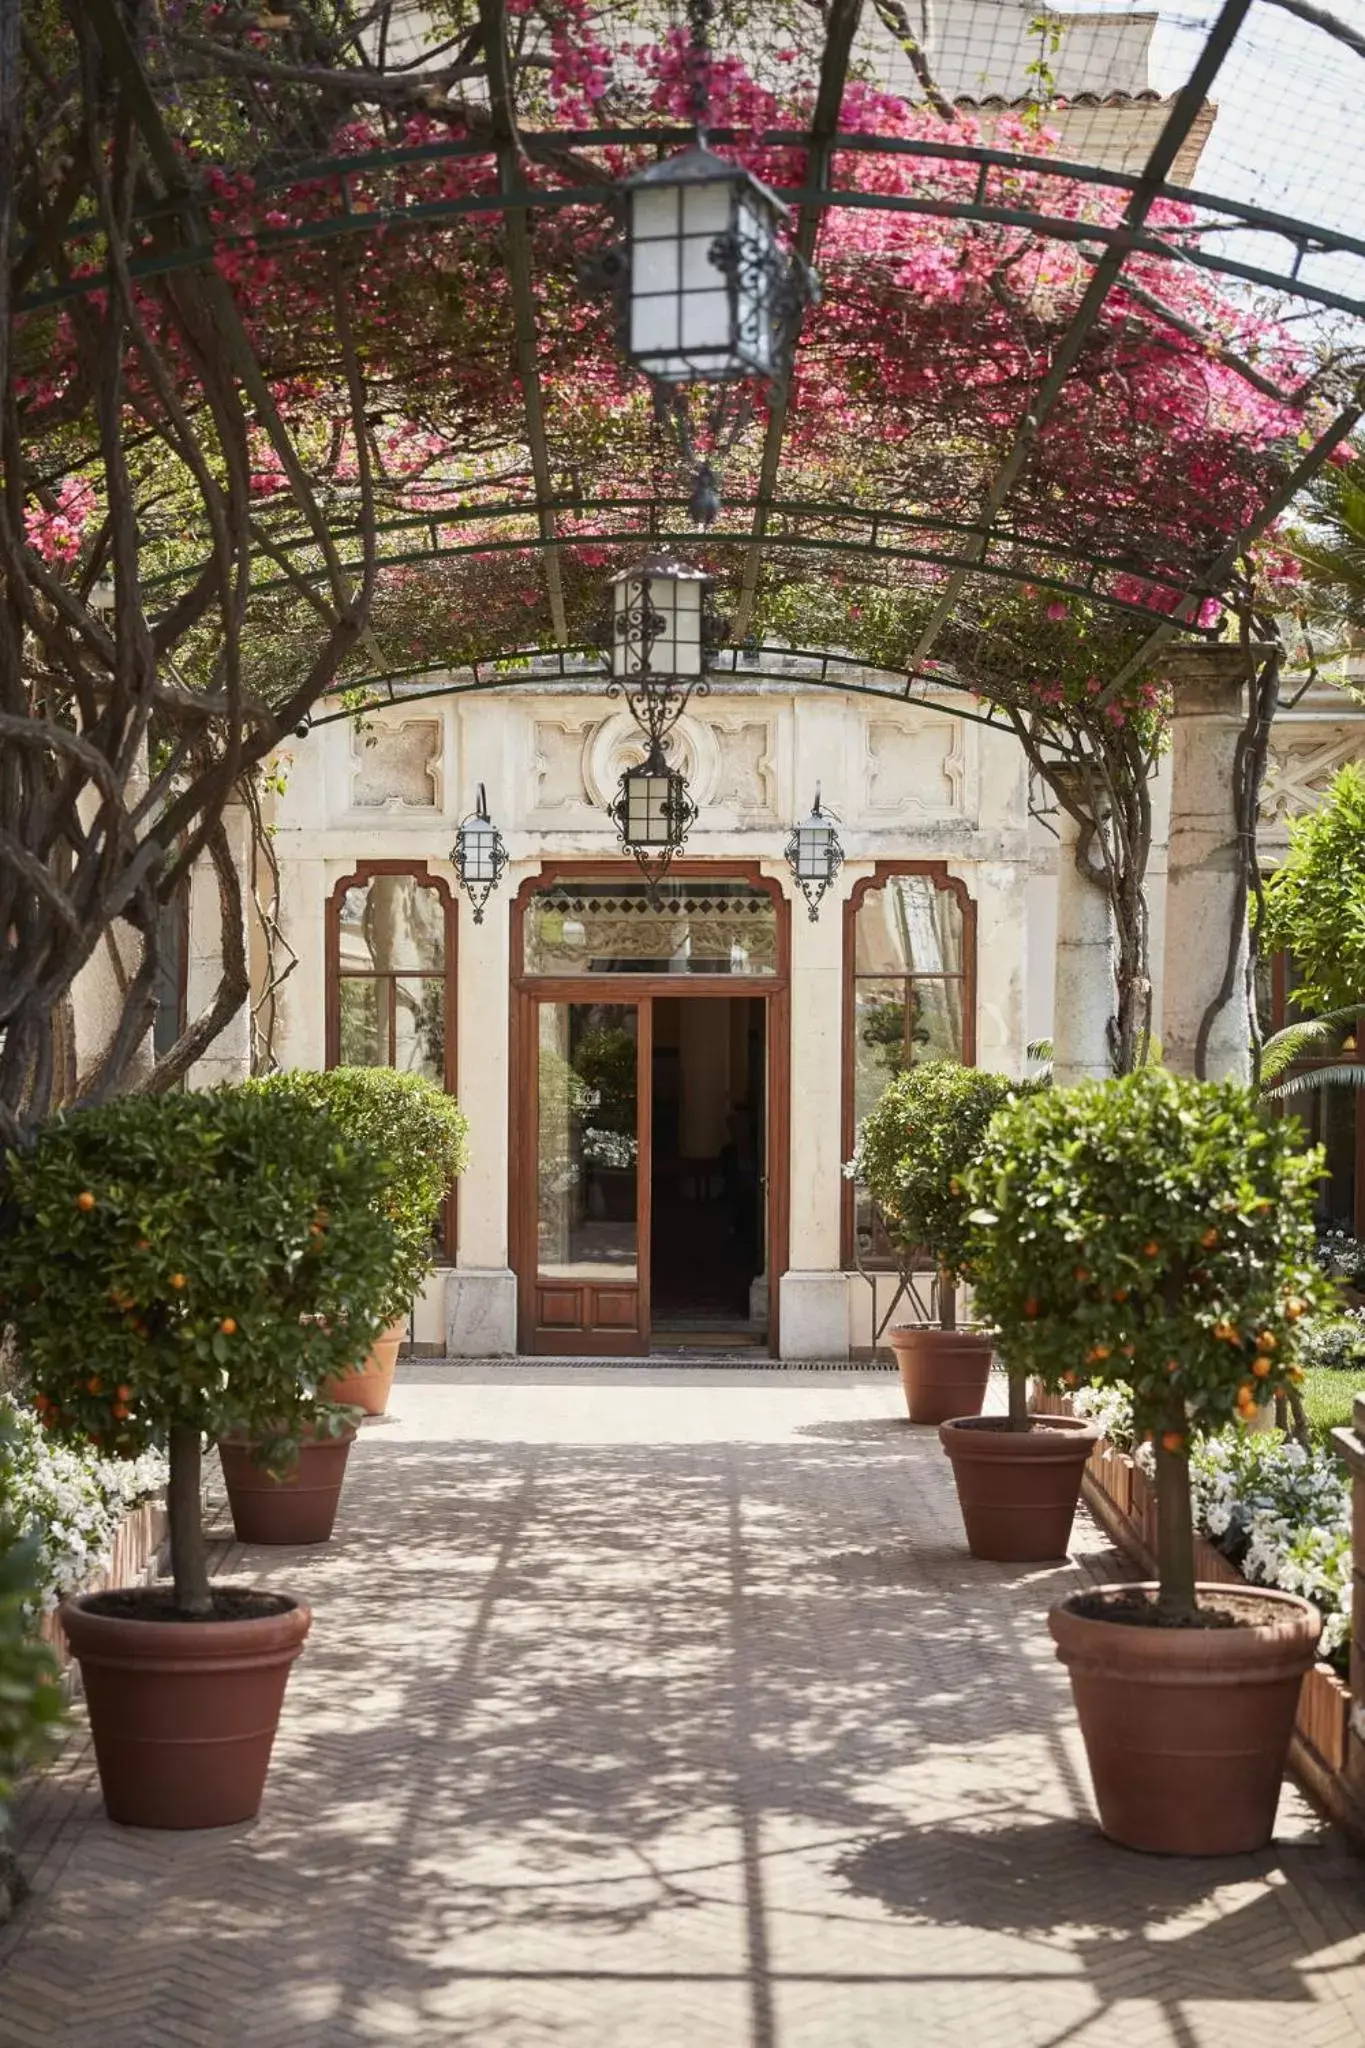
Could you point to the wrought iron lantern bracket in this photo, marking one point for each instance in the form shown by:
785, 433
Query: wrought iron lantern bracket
814, 855
479, 856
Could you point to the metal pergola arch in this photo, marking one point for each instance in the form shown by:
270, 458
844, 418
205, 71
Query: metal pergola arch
769, 516
582, 666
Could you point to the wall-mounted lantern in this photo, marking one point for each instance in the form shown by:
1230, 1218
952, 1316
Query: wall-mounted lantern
479, 855
814, 854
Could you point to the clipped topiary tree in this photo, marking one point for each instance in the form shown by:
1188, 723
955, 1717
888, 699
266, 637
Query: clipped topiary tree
1154, 1232
184, 1267
914, 1149
419, 1137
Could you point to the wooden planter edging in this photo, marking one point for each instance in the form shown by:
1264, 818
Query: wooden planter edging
1123, 1501
137, 1540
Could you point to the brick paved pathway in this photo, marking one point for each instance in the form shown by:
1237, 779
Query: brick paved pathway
668, 1713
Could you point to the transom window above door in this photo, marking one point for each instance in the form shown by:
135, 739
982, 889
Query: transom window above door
691, 927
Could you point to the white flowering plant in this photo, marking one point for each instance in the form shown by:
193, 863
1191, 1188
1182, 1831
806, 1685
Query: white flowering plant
1333, 1343
66, 1500
1280, 1513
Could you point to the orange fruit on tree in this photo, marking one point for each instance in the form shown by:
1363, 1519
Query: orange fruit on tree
228, 1326
85, 1200
1262, 1367
178, 1281
1209, 1239
1172, 1440
1151, 1250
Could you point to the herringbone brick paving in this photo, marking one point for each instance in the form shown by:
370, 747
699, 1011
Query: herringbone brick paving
667, 1711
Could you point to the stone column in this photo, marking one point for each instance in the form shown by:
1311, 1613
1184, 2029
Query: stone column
481, 1289
813, 1292
1203, 865
229, 1056
1350, 1444
1084, 987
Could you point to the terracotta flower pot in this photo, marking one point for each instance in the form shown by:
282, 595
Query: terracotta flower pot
301, 1507
183, 1713
1018, 1490
370, 1385
943, 1372
1187, 1729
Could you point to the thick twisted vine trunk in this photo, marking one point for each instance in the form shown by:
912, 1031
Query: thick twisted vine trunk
129, 718
1103, 780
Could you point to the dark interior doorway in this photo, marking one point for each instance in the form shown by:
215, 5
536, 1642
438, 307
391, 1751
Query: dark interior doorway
708, 1235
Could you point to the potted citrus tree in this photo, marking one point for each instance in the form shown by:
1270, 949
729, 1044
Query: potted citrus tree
1157, 1232
914, 1149
419, 1136
178, 1269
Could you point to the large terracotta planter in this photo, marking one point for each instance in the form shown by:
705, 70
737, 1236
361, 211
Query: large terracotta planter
1187, 1730
1018, 1490
370, 1385
943, 1372
183, 1713
301, 1507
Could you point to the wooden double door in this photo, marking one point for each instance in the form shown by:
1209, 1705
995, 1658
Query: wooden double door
649, 1141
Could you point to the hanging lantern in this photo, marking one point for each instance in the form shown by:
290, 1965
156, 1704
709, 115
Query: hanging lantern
706, 292
658, 619
479, 855
814, 855
653, 812
711, 294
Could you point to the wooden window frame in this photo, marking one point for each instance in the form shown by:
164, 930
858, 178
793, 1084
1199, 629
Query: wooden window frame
952, 885
364, 872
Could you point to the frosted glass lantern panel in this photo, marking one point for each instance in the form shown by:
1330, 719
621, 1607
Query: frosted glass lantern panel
479, 843
813, 847
675, 646
647, 810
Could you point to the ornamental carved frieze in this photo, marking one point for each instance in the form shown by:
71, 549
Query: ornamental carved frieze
397, 767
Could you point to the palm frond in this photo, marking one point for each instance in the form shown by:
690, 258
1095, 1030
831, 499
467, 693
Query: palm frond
1297, 1041
1352, 1076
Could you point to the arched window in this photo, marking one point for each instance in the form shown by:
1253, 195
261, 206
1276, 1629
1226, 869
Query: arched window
391, 979
909, 995
391, 971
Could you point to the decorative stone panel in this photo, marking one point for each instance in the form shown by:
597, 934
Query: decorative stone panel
747, 778
916, 765
557, 767
397, 767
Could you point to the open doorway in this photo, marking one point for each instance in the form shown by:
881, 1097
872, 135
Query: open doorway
708, 1220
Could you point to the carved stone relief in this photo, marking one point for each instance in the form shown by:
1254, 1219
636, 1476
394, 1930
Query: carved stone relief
558, 765
617, 743
747, 780
397, 767
1300, 766
915, 765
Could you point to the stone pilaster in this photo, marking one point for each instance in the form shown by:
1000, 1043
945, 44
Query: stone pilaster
1204, 865
1085, 989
